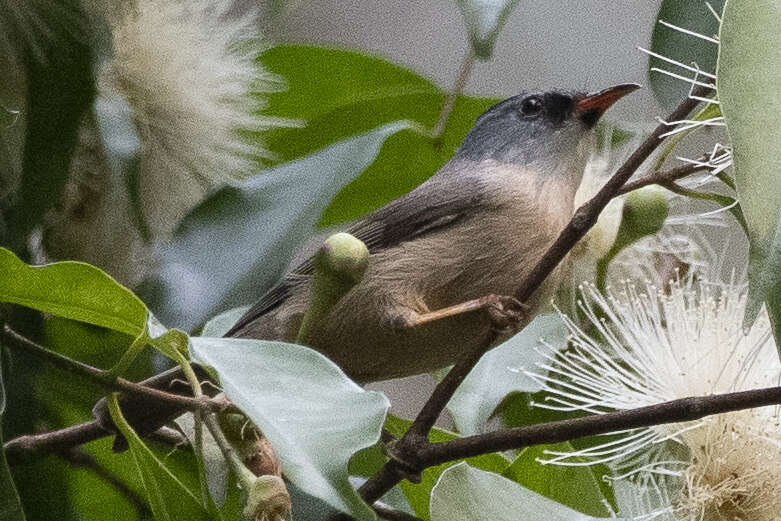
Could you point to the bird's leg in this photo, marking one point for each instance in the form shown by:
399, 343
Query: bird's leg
505, 311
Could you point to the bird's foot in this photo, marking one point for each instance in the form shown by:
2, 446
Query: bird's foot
506, 312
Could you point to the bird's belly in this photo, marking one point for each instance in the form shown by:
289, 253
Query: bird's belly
371, 351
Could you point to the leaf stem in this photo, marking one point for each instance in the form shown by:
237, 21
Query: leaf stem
452, 96
243, 474
104, 378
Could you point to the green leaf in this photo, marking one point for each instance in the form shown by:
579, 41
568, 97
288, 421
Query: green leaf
172, 343
500, 372
340, 93
419, 494
749, 71
221, 324
464, 493
574, 486
684, 48
72, 290
484, 20
314, 416
168, 497
238, 241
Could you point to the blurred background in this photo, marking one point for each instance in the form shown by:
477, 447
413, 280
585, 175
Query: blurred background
571, 44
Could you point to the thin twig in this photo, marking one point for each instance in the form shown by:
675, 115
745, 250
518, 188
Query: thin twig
385, 512
25, 447
452, 96
104, 378
662, 178
584, 218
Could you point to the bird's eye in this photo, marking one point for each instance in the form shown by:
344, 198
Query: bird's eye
531, 106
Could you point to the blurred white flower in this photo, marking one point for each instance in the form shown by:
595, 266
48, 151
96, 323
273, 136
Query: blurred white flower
188, 74
665, 346
188, 70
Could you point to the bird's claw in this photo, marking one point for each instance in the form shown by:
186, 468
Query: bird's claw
506, 312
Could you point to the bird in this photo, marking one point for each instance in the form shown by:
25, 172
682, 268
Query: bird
446, 259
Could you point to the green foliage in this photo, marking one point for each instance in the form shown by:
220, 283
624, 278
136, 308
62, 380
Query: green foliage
8, 117
464, 493
168, 497
72, 290
748, 76
313, 415
342, 93
484, 20
689, 50
259, 223
10, 504
501, 371
419, 494
584, 492
60, 91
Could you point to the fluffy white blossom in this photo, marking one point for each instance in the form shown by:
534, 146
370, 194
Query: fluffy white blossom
648, 346
187, 73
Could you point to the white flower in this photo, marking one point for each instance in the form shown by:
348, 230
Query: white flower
188, 70
665, 346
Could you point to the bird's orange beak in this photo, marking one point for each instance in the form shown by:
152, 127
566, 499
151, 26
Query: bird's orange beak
602, 100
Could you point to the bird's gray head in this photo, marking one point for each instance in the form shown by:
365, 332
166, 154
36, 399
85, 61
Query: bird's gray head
539, 128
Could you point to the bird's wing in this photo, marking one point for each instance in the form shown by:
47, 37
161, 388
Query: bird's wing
436, 203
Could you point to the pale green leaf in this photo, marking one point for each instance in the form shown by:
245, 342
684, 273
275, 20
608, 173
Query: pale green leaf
749, 72
500, 372
464, 493
240, 239
687, 49
314, 416
219, 325
72, 290
484, 20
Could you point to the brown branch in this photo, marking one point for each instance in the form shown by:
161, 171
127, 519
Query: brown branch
27, 446
675, 411
662, 178
410, 445
24, 447
102, 377
384, 512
